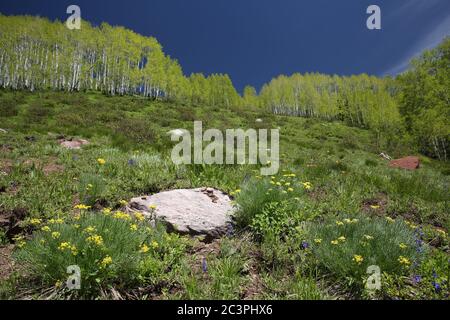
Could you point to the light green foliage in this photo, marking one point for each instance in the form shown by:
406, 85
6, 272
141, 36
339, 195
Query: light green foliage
347, 245
110, 248
425, 99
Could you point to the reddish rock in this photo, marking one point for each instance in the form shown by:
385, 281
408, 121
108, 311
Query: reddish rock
409, 163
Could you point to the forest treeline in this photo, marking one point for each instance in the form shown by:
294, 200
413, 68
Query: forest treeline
36, 54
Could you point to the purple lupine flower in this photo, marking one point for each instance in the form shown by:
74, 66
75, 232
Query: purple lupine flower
204, 265
437, 286
230, 230
305, 245
417, 278
132, 162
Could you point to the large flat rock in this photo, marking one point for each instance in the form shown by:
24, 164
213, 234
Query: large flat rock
198, 212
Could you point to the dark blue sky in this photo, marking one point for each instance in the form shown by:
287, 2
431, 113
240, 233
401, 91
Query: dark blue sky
256, 40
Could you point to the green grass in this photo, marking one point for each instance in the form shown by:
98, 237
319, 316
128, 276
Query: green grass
347, 178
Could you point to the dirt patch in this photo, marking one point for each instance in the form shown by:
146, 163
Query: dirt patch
10, 221
255, 285
6, 263
318, 194
376, 205
5, 148
6, 165
408, 163
48, 167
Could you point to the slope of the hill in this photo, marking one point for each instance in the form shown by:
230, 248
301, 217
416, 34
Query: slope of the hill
334, 172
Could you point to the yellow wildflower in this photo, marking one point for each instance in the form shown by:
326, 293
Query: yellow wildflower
342, 239
367, 237
139, 216
56, 221
403, 246
35, 221
101, 161
339, 223
56, 235
133, 227
46, 229
123, 202
389, 219
404, 261
318, 241
358, 259
121, 215
106, 262
375, 206
90, 229
307, 185
82, 207
335, 242
155, 245
64, 245
144, 248
153, 207
290, 190
95, 239
106, 211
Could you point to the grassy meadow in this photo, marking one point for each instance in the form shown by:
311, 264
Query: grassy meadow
310, 232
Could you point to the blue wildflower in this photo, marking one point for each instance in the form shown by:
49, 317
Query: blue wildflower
132, 162
204, 265
305, 245
417, 278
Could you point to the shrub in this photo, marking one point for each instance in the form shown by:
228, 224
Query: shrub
347, 246
111, 249
272, 205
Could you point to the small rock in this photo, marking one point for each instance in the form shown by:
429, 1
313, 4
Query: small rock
259, 120
73, 143
409, 163
177, 132
3, 131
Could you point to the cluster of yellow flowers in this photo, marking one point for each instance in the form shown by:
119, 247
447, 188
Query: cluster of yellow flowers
90, 230
368, 237
121, 215
403, 246
307, 185
235, 192
341, 239
101, 161
106, 262
95, 239
404, 261
139, 216
56, 221
358, 259
389, 219
35, 222
82, 207
68, 246
56, 235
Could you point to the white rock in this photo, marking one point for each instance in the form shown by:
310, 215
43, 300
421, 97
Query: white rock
189, 211
259, 120
177, 132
